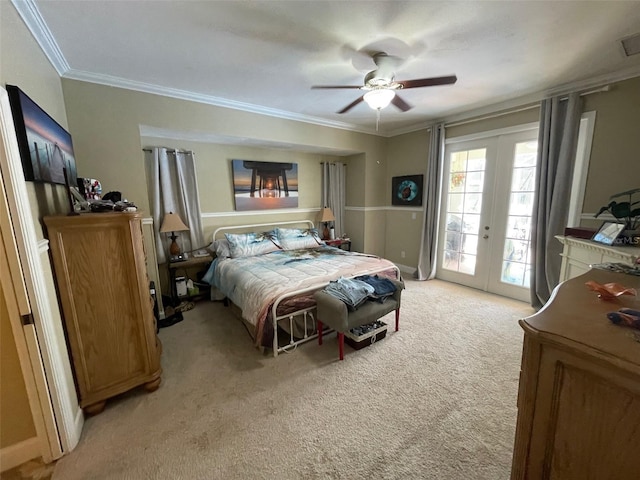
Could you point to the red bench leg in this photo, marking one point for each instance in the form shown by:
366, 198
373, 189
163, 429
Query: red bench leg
319, 332
341, 345
397, 319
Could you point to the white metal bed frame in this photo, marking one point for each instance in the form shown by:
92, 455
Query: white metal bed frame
305, 312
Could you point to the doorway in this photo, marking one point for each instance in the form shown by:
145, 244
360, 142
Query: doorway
487, 203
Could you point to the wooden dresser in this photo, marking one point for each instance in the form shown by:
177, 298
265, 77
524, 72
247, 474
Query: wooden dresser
579, 394
99, 263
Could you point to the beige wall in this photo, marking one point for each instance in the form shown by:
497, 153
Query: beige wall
496, 123
105, 125
615, 161
407, 155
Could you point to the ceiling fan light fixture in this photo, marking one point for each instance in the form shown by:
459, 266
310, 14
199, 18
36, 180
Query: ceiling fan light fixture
379, 98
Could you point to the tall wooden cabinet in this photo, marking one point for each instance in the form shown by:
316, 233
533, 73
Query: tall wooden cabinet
579, 395
99, 263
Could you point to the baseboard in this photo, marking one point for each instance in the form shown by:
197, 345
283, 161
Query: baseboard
19, 453
78, 423
406, 269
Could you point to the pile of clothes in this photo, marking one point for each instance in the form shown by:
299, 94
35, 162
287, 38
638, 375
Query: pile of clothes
355, 291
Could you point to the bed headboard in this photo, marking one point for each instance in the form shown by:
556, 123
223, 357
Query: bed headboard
219, 232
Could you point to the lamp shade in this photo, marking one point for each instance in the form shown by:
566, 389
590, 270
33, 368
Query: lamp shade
327, 215
379, 98
172, 223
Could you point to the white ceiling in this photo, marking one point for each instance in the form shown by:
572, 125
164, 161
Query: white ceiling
264, 56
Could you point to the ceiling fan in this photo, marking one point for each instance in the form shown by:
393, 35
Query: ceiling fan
380, 85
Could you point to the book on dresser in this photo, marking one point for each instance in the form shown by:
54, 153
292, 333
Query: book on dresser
99, 262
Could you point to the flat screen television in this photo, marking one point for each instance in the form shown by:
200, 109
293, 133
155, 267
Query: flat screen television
45, 147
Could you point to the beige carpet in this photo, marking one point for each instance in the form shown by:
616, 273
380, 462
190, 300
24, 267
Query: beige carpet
436, 400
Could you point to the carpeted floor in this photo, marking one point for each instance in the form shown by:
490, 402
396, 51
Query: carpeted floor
436, 400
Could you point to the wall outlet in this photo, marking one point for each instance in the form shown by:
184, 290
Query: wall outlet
413, 216
402, 254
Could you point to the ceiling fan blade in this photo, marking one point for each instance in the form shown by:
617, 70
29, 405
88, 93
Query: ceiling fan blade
351, 105
335, 86
428, 82
401, 104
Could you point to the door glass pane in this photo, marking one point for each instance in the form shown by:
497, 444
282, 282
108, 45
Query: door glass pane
475, 181
517, 243
464, 204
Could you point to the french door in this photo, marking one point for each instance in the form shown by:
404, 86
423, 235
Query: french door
487, 203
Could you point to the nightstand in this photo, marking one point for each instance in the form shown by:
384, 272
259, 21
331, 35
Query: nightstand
190, 263
343, 243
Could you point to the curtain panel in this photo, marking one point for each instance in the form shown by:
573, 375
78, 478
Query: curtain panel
432, 193
557, 142
334, 192
172, 187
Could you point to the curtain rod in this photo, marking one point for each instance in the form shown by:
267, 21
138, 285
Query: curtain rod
520, 109
170, 150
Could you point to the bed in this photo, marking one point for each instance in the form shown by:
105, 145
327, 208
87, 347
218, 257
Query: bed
269, 273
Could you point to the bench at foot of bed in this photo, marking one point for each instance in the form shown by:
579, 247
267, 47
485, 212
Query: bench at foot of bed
334, 313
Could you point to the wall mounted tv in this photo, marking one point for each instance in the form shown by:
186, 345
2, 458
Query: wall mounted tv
45, 147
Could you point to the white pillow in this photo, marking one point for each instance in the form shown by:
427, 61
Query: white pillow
221, 247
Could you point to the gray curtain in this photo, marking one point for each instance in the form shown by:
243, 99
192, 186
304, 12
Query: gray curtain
172, 186
334, 191
431, 201
557, 141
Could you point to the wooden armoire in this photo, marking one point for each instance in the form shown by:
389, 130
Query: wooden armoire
100, 268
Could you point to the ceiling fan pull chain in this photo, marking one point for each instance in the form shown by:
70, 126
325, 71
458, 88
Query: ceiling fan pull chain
377, 118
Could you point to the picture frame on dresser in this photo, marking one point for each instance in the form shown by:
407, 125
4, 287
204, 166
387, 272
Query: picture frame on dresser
608, 233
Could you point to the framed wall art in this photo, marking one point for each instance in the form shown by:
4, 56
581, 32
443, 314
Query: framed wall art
264, 185
45, 147
407, 190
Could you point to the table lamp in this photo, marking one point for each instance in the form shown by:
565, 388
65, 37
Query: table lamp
173, 223
326, 216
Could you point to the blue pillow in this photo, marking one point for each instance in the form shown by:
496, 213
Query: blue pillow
297, 238
250, 244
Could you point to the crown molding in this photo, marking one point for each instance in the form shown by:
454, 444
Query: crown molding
594, 82
582, 85
30, 14
118, 82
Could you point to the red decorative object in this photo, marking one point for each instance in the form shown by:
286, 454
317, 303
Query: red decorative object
609, 291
